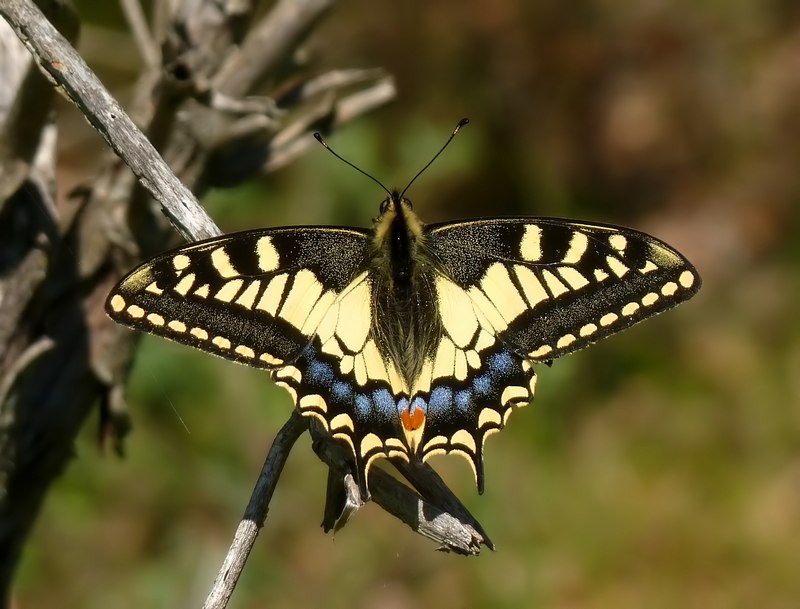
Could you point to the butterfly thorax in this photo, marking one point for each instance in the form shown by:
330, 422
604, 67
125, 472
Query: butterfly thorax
406, 324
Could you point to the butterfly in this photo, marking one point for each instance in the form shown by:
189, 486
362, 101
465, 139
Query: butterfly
408, 339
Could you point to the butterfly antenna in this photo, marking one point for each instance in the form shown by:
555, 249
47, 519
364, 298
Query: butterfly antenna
460, 124
318, 137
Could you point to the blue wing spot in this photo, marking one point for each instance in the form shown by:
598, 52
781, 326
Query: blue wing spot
402, 404
463, 400
420, 403
441, 399
482, 385
342, 392
384, 401
319, 372
502, 363
363, 405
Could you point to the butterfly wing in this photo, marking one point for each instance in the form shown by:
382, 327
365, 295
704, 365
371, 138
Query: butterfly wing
516, 291
252, 297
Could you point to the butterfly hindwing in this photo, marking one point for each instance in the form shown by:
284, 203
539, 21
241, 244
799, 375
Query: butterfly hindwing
344, 380
549, 287
462, 412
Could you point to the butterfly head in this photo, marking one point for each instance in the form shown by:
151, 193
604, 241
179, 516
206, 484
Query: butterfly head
396, 219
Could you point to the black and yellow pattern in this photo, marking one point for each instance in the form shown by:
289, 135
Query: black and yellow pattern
406, 340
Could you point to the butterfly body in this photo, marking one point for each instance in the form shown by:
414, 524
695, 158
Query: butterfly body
406, 340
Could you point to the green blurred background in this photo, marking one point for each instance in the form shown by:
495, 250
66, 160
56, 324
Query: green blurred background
660, 468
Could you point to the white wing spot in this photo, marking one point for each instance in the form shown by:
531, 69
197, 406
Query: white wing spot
573, 277
600, 275
532, 385
302, 296
648, 267
117, 303
203, 291
618, 242
221, 342
290, 390
686, 279
630, 308
245, 351
463, 437
154, 289
649, 299
669, 288
489, 416
223, 264
290, 372
342, 420
136, 311
177, 326
485, 340
577, 247
271, 297
532, 288
541, 351
155, 319
181, 261
228, 291
268, 259
461, 369
331, 347
530, 248
514, 393
616, 266
554, 284
270, 359
248, 298
608, 319
370, 443
499, 288
588, 330
445, 361
360, 369
199, 333
565, 341
185, 284
346, 364
313, 401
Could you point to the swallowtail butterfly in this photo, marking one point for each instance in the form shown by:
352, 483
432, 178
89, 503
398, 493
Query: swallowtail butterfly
406, 340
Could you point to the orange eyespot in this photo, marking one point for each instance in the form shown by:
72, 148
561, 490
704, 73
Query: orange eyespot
412, 421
